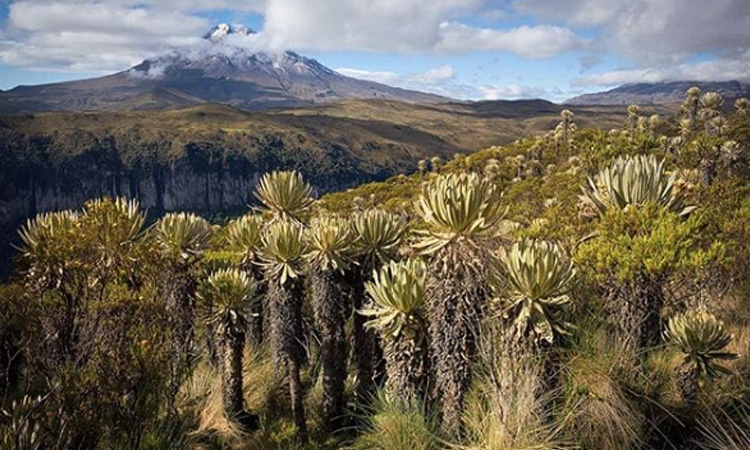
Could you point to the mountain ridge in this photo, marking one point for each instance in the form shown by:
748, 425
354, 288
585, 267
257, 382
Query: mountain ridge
228, 68
659, 93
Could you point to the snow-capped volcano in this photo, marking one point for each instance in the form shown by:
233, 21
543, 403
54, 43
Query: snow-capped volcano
232, 66
232, 53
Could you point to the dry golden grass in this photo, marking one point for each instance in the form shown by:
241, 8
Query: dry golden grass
601, 416
261, 380
201, 396
509, 407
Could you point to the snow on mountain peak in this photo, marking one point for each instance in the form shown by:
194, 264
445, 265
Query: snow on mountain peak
231, 51
219, 32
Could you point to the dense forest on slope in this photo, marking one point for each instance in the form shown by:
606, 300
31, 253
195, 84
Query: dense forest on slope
580, 289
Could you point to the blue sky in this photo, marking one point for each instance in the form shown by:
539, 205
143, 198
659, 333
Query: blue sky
471, 49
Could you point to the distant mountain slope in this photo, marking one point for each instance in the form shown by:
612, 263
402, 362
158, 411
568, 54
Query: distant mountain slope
219, 71
659, 93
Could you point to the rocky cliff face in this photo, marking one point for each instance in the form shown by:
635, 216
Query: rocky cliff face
174, 187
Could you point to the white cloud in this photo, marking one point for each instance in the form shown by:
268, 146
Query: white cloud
93, 36
441, 80
378, 77
512, 92
182, 5
105, 35
719, 70
375, 25
540, 41
655, 32
434, 76
405, 26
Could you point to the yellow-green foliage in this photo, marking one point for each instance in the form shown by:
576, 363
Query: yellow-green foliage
635, 181
378, 235
98, 264
182, 236
227, 294
243, 236
651, 240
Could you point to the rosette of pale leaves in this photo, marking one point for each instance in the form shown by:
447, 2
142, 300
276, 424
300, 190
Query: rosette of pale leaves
742, 105
48, 242
457, 207
285, 195
377, 236
282, 251
118, 221
702, 339
44, 229
227, 295
731, 153
182, 236
115, 225
633, 181
711, 104
537, 279
21, 430
244, 237
330, 243
397, 292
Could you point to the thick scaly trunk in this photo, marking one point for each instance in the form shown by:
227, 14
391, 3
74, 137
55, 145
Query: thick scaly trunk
637, 305
455, 305
707, 171
331, 310
255, 332
687, 381
522, 349
180, 305
212, 344
406, 366
364, 342
296, 394
285, 314
232, 345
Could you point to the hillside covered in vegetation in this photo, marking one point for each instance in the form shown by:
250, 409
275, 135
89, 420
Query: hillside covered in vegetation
584, 289
207, 158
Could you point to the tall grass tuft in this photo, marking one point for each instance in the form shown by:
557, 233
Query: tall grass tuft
201, 397
599, 413
508, 408
725, 429
262, 384
396, 425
